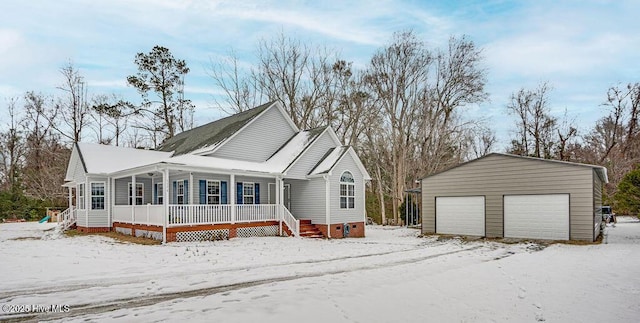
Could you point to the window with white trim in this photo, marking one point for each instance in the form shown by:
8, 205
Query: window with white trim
179, 192
213, 192
347, 191
139, 194
248, 191
160, 193
81, 203
97, 196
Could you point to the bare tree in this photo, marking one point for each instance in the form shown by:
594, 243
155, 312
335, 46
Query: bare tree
12, 150
536, 127
241, 91
397, 77
70, 115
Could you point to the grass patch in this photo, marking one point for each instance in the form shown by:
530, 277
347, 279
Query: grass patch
119, 237
25, 238
545, 243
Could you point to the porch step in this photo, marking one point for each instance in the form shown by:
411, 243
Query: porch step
309, 230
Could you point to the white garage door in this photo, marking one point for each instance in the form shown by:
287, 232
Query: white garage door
537, 216
460, 215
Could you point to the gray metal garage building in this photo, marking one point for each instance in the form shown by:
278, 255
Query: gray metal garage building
501, 195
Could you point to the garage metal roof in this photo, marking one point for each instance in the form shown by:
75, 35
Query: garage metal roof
600, 170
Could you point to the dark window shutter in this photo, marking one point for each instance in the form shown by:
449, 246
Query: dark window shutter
223, 192
175, 192
203, 191
186, 191
257, 193
239, 193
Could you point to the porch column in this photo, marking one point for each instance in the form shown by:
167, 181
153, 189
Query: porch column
107, 201
232, 196
134, 194
165, 202
191, 184
70, 196
327, 203
112, 199
279, 202
70, 201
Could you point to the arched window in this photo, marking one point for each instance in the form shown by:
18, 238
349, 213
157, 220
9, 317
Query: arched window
347, 191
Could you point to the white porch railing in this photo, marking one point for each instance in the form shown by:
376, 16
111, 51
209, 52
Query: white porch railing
199, 214
291, 221
67, 218
149, 214
257, 212
122, 213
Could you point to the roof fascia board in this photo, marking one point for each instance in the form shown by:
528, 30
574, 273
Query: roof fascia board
561, 162
355, 158
178, 167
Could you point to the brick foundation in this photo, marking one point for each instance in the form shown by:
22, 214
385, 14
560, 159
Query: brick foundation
93, 230
337, 230
171, 232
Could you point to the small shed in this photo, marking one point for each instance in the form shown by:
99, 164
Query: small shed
502, 195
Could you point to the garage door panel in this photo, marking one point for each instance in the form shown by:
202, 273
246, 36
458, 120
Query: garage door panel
460, 215
537, 216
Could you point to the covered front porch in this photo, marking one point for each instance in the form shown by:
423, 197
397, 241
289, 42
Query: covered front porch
204, 222
162, 202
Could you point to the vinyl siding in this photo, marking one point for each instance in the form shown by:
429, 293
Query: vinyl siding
308, 199
97, 218
495, 176
259, 139
312, 156
122, 190
339, 215
75, 170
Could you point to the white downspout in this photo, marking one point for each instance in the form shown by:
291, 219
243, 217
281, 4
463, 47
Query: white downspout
327, 203
232, 197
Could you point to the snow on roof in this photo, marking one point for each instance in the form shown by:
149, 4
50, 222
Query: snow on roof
275, 164
221, 163
292, 149
330, 160
104, 159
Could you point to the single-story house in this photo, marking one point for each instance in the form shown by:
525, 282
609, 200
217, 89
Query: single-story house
250, 174
502, 195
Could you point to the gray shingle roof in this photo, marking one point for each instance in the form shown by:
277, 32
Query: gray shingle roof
211, 133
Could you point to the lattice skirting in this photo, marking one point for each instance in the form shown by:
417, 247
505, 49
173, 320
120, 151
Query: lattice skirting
264, 231
204, 235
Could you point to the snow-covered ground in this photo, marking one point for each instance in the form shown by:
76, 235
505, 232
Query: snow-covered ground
389, 276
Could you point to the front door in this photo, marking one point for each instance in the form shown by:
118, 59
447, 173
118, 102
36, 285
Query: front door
287, 194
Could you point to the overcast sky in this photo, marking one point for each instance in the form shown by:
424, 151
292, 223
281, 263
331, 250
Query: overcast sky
580, 47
